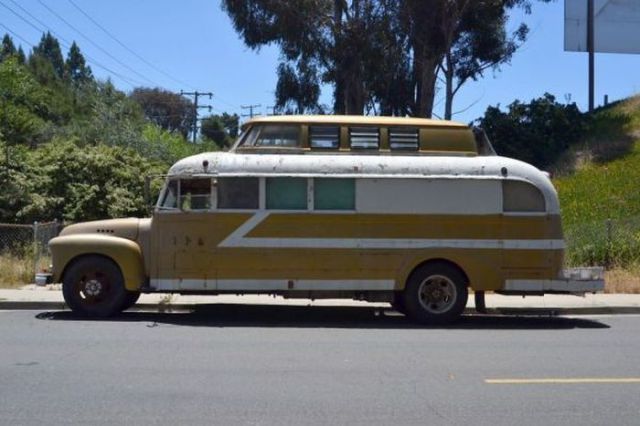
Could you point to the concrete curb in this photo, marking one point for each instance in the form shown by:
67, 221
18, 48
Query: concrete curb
6, 305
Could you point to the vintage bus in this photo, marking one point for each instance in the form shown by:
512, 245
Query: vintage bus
413, 212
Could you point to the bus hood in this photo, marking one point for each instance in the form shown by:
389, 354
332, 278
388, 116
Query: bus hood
124, 228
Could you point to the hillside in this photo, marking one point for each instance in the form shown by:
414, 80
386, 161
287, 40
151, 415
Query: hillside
600, 197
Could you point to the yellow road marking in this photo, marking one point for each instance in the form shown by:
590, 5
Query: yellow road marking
562, 381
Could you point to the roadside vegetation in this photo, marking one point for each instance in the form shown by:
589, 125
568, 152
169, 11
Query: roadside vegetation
595, 161
74, 148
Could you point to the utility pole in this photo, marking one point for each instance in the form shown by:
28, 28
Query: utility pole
273, 110
250, 108
196, 94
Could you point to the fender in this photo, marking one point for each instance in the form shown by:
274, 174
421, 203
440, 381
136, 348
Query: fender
125, 253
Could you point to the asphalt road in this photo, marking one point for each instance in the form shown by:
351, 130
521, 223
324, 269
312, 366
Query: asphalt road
277, 365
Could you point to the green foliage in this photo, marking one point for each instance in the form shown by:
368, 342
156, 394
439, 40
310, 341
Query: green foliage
167, 148
220, 129
49, 50
536, 132
378, 54
600, 201
115, 120
77, 149
76, 68
87, 182
7, 48
170, 111
22, 104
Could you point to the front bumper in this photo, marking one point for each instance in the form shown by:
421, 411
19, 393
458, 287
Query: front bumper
43, 278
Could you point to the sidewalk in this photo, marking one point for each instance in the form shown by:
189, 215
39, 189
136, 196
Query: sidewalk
50, 298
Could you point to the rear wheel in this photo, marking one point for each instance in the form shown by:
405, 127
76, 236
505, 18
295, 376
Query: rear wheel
93, 286
436, 293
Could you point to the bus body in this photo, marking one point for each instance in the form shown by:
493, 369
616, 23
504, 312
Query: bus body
413, 225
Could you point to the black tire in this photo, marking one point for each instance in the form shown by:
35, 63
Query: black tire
130, 300
436, 293
93, 286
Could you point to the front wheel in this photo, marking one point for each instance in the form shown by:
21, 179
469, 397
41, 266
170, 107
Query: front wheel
93, 286
436, 293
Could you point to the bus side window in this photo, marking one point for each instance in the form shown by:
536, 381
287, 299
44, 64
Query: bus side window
364, 137
324, 137
334, 194
285, 193
279, 136
403, 138
519, 196
238, 193
195, 194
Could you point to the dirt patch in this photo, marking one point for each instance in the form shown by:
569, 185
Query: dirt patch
619, 280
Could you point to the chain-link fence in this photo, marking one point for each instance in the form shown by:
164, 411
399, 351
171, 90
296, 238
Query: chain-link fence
24, 249
607, 242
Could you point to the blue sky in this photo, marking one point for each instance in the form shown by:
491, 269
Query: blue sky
194, 45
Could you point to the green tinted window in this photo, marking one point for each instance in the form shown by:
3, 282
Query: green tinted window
334, 194
287, 193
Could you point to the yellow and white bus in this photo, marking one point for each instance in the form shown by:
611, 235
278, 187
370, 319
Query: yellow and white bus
375, 209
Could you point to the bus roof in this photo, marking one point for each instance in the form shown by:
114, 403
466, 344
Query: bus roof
353, 120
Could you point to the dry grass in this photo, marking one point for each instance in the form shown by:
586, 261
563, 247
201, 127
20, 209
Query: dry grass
15, 271
623, 280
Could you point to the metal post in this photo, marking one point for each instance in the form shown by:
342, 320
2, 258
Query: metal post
36, 255
591, 50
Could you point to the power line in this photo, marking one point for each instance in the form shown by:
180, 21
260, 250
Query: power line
16, 35
250, 108
35, 19
21, 17
96, 45
126, 47
129, 81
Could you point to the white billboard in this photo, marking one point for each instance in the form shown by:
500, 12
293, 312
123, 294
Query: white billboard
616, 26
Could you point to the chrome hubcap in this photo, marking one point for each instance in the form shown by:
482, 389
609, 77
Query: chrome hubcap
437, 294
93, 287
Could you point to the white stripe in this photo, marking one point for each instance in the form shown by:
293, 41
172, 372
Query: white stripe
392, 243
236, 236
269, 284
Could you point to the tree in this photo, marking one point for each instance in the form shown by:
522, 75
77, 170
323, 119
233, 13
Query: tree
382, 53
536, 132
297, 90
168, 110
76, 68
221, 129
311, 35
79, 182
114, 120
476, 40
7, 48
22, 104
49, 49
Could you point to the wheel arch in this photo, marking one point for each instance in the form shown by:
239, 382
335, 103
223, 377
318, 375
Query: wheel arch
433, 261
125, 254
